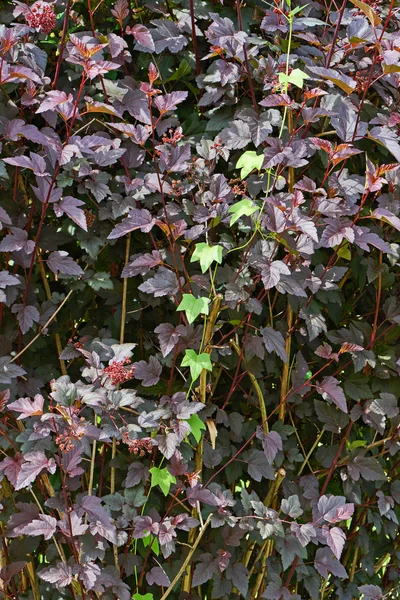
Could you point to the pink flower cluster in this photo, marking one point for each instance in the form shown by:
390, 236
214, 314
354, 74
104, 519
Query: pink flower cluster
139, 447
41, 17
118, 373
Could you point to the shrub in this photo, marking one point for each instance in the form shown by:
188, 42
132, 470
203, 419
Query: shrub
200, 318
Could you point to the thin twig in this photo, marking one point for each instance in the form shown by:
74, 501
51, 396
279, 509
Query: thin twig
187, 559
50, 320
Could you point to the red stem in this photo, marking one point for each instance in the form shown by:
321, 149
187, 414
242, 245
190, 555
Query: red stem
62, 45
194, 38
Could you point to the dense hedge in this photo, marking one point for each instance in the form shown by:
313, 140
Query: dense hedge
200, 309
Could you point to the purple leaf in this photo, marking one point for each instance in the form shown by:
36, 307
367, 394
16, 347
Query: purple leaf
371, 592
137, 473
4, 218
71, 460
326, 563
345, 122
18, 520
117, 44
120, 10
271, 274
143, 38
26, 315
45, 192
336, 539
274, 342
304, 533
330, 389
388, 138
272, 443
11, 467
335, 232
8, 571
148, 373
157, 576
239, 575
386, 215
138, 219
138, 134
291, 506
236, 136
200, 494
92, 506
345, 82
36, 163
366, 467
170, 101
204, 569
72, 525
276, 100
167, 36
69, 206
163, 283
254, 346
17, 240
6, 279
44, 525
363, 236
222, 33
258, 467
135, 102
34, 464
89, 573
144, 526
9, 370
142, 264
27, 407
167, 444
61, 262
168, 336
175, 159
60, 576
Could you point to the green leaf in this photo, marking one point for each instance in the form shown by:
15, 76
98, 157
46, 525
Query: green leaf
297, 77
193, 307
163, 478
356, 444
297, 10
3, 170
141, 597
196, 363
249, 161
196, 425
206, 255
100, 281
183, 69
152, 541
239, 209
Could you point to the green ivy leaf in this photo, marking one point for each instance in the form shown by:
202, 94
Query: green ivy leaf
297, 10
193, 307
245, 207
206, 255
249, 161
141, 597
163, 478
196, 363
196, 425
297, 77
150, 540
